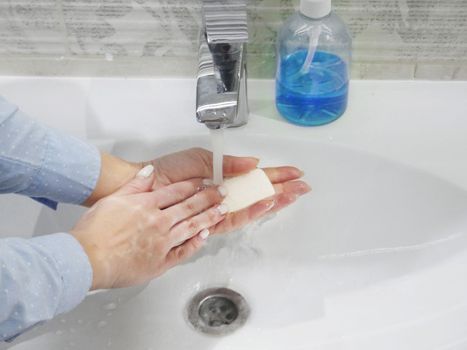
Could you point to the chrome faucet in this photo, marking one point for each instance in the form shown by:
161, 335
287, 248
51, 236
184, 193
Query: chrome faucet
221, 96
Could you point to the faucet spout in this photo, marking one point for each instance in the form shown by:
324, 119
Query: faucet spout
221, 99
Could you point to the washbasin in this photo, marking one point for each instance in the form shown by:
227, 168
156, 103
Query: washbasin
374, 257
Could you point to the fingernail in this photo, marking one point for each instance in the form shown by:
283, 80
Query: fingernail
208, 182
222, 190
204, 234
255, 159
302, 173
146, 171
223, 209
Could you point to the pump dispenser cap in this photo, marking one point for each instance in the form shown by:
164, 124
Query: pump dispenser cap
315, 8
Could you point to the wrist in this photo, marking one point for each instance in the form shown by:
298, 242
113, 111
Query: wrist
96, 262
114, 173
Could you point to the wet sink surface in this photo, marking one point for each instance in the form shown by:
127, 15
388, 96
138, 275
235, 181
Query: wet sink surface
372, 256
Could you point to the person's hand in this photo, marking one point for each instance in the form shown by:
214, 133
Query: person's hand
193, 163
136, 234
197, 163
288, 189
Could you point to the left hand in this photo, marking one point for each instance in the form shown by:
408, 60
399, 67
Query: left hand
197, 163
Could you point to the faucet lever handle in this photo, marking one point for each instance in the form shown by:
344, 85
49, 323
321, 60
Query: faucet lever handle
225, 21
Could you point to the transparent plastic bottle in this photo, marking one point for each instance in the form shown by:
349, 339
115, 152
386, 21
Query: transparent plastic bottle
313, 58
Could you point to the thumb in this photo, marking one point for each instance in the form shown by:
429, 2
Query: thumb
142, 182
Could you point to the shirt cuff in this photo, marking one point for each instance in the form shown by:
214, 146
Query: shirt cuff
47, 202
69, 171
73, 266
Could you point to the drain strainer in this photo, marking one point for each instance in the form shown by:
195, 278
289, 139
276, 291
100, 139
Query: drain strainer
218, 311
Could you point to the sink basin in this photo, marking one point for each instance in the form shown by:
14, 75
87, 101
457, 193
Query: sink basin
375, 257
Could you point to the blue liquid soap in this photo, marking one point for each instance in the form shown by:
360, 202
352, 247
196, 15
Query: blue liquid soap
315, 96
313, 52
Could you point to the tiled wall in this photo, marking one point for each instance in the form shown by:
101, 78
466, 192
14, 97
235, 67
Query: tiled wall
421, 39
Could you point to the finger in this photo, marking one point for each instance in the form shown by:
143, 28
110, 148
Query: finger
282, 174
195, 204
231, 165
186, 250
239, 219
288, 193
238, 165
189, 228
283, 200
298, 187
141, 183
172, 194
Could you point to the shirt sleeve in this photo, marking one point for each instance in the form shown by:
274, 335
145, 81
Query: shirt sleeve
38, 161
40, 278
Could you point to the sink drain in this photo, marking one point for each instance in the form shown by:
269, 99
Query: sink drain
218, 311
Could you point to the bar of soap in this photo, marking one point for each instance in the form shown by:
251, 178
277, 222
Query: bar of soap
247, 189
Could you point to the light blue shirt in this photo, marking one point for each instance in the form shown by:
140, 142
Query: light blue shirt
43, 276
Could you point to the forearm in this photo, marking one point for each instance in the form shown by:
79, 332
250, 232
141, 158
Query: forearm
38, 161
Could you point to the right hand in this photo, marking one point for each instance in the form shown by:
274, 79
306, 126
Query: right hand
136, 233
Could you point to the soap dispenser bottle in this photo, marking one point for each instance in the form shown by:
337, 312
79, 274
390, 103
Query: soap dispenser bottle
313, 58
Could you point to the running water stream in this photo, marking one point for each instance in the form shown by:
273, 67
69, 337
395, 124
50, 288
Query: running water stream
217, 141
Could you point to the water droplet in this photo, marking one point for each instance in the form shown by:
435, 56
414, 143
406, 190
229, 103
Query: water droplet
101, 324
59, 332
110, 306
80, 321
197, 286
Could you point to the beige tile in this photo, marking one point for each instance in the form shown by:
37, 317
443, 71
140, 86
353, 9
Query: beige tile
440, 71
392, 39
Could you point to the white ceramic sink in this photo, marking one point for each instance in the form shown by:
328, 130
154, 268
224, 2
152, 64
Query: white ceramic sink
375, 257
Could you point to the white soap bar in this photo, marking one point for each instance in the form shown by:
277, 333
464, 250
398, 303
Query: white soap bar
247, 189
